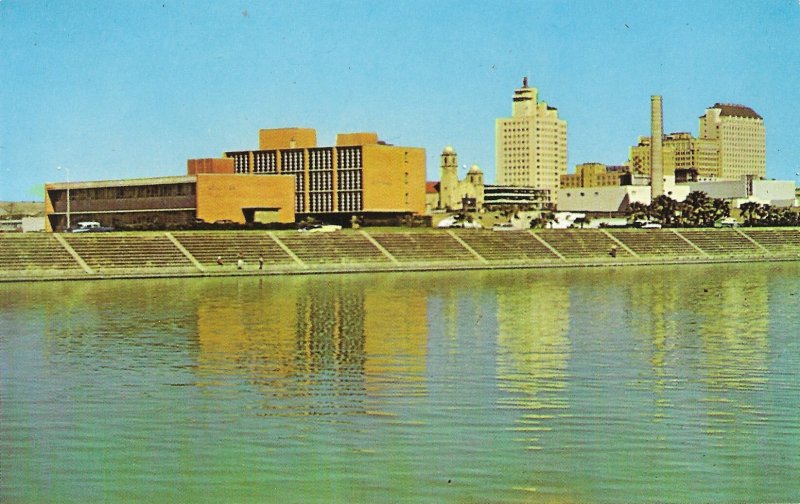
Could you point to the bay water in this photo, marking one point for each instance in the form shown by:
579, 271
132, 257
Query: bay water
641, 384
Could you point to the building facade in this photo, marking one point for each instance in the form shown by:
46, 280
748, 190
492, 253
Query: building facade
496, 197
359, 175
731, 145
680, 152
740, 137
453, 191
288, 178
164, 202
777, 193
594, 175
531, 145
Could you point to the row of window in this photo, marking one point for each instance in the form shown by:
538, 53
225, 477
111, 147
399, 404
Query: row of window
349, 185
265, 162
241, 161
349, 157
349, 179
320, 202
129, 192
292, 161
320, 159
350, 201
299, 182
321, 181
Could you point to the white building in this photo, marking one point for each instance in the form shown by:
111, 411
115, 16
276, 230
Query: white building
779, 193
531, 145
614, 199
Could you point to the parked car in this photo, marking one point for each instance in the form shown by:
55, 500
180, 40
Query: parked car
651, 225
467, 225
320, 228
90, 227
726, 222
646, 224
505, 226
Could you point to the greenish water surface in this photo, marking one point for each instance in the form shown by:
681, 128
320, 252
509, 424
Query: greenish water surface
652, 384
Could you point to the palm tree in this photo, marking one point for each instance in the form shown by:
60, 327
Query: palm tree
636, 211
765, 214
720, 209
664, 209
750, 211
697, 209
543, 220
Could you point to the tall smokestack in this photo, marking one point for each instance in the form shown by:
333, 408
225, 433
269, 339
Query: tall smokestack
656, 159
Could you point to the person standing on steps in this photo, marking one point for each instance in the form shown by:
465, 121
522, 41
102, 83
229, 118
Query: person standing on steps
261, 262
240, 261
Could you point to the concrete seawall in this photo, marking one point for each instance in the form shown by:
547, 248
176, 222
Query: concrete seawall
35, 257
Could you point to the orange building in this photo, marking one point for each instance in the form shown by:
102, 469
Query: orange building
287, 179
170, 201
360, 175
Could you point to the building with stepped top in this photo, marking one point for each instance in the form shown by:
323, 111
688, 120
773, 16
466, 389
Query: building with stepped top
531, 145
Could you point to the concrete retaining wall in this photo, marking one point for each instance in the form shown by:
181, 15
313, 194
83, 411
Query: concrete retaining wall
44, 256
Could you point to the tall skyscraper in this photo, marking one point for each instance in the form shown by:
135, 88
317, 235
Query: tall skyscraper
741, 139
531, 145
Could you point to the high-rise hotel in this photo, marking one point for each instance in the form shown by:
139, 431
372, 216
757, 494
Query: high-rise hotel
531, 145
739, 134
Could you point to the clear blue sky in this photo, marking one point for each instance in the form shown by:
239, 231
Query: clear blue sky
120, 89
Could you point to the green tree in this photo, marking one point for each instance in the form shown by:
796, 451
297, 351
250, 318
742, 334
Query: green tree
750, 211
696, 210
543, 220
637, 211
665, 209
720, 209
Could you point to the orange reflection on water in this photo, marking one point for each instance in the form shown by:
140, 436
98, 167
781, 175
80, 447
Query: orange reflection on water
309, 337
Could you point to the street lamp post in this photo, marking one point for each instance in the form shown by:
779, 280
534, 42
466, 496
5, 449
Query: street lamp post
69, 224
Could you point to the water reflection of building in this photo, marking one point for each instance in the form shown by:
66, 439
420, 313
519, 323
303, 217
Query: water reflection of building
652, 306
236, 334
735, 327
533, 352
330, 341
729, 314
396, 344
